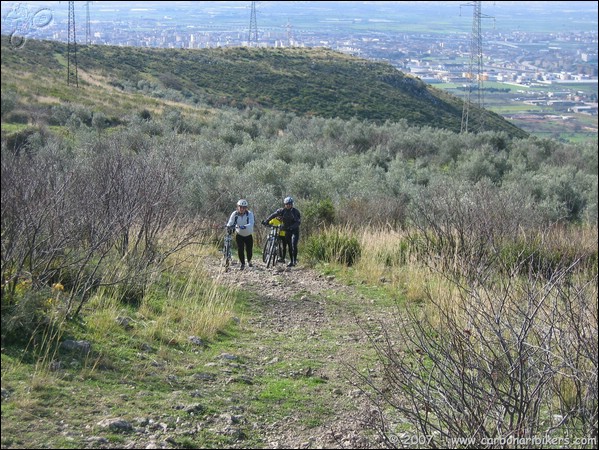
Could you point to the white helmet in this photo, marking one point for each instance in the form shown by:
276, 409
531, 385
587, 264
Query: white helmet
288, 200
242, 202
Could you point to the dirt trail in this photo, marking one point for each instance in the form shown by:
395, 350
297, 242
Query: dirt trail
304, 318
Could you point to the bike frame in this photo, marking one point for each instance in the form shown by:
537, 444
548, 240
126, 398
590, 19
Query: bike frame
227, 254
273, 244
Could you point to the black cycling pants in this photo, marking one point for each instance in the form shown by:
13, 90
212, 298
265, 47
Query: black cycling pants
291, 240
245, 244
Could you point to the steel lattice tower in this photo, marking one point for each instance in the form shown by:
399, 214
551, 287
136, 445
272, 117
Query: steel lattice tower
88, 32
289, 34
475, 68
253, 35
72, 49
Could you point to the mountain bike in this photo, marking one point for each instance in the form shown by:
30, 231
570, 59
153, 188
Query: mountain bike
273, 247
227, 255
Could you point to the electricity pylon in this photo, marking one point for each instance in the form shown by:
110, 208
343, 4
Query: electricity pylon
72, 77
475, 73
253, 35
88, 31
289, 34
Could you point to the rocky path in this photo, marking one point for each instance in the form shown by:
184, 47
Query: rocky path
305, 324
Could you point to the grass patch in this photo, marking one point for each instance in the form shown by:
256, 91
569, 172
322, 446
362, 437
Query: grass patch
285, 396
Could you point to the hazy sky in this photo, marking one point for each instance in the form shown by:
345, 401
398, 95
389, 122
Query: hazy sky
542, 16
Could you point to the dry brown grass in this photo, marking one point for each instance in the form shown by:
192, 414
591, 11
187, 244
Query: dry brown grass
386, 258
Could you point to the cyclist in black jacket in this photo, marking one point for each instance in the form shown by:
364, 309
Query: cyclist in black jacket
291, 218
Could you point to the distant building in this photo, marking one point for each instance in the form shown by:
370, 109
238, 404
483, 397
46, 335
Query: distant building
585, 109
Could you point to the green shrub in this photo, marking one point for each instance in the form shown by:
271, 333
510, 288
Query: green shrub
9, 100
334, 246
17, 117
25, 139
25, 312
145, 114
317, 214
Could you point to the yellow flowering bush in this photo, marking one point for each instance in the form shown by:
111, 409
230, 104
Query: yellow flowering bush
30, 308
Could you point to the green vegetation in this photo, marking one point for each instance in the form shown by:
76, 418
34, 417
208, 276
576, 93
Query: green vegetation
315, 82
111, 197
337, 246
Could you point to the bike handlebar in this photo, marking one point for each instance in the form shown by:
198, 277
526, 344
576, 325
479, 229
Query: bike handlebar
269, 224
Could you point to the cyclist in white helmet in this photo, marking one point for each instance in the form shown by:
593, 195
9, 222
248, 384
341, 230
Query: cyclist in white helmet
291, 218
242, 220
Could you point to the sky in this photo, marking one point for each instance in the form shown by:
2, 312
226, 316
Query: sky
408, 16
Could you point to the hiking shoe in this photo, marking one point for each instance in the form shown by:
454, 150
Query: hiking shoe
281, 260
250, 264
291, 264
242, 267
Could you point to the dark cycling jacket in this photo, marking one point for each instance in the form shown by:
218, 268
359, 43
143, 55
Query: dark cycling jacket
291, 218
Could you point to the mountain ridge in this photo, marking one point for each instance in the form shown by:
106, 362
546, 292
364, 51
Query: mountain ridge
304, 81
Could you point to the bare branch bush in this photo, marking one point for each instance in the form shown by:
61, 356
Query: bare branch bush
34, 201
90, 219
501, 348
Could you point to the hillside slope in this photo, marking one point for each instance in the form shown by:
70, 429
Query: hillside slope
306, 81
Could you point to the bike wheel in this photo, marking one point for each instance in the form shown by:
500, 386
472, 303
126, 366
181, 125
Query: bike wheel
265, 250
272, 253
227, 255
275, 252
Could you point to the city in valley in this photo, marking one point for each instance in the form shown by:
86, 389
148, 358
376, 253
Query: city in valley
539, 59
